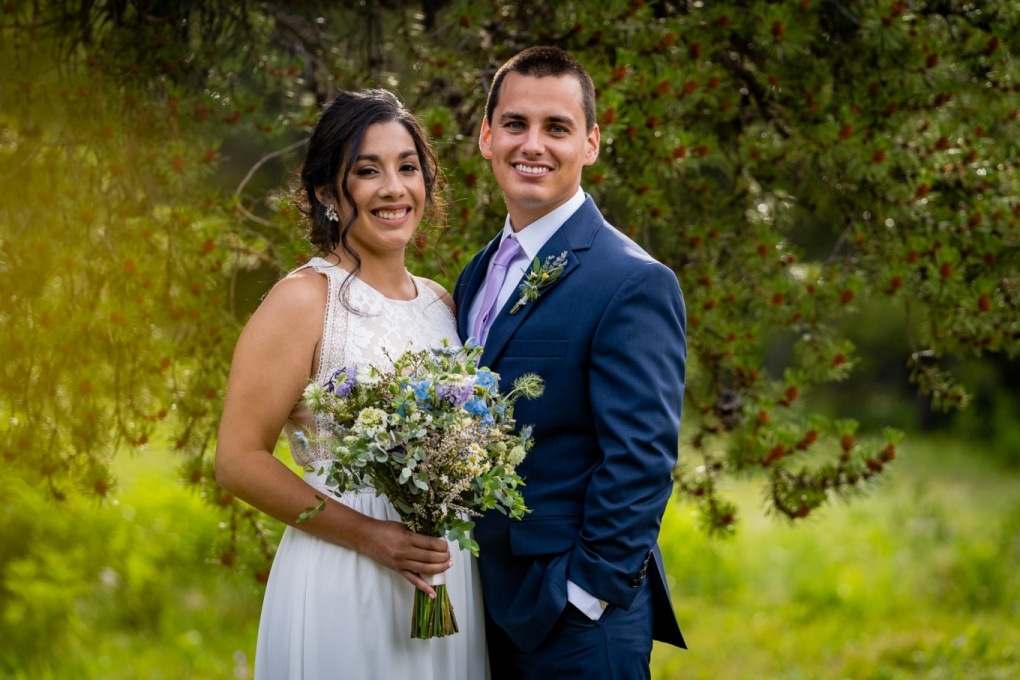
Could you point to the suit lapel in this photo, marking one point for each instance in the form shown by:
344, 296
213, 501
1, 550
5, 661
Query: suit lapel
576, 234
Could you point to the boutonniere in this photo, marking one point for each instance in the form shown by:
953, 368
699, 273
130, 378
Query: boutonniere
540, 276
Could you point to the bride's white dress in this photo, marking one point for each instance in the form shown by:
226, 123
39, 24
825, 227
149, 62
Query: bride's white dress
330, 612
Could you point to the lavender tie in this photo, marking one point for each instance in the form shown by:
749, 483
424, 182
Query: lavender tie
508, 250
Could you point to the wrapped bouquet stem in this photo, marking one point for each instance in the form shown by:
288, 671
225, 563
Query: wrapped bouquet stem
435, 434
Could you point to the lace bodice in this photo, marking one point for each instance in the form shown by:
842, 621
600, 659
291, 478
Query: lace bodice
380, 329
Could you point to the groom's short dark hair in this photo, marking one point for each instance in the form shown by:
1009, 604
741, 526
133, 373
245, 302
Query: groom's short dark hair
539, 62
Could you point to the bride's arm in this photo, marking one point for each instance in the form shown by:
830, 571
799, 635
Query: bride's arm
272, 362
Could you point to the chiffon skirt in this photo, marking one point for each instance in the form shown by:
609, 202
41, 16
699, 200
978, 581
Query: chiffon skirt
332, 613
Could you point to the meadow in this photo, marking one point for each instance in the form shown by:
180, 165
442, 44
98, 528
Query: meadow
919, 579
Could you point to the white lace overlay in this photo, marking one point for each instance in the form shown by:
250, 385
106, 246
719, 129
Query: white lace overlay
378, 331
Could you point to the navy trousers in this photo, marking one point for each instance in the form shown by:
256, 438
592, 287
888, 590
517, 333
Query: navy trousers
616, 647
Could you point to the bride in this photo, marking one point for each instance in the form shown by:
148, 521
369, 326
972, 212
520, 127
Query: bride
340, 594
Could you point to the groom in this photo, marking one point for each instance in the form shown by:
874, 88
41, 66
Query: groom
577, 588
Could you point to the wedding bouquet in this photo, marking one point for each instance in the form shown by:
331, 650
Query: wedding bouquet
435, 435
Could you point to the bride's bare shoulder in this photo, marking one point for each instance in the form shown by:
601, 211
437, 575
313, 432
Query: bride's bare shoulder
442, 294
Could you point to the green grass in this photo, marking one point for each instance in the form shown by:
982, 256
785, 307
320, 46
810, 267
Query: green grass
917, 580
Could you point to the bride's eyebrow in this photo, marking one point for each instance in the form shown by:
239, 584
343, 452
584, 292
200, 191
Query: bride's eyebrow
374, 158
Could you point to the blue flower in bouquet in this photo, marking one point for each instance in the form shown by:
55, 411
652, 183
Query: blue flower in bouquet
487, 380
476, 406
422, 390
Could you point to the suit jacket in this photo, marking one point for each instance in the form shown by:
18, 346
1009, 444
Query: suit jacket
609, 340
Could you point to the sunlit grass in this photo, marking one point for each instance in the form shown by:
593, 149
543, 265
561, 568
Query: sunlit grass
917, 580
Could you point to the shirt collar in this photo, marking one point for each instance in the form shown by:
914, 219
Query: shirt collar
536, 234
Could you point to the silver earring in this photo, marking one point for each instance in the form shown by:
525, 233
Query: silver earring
331, 213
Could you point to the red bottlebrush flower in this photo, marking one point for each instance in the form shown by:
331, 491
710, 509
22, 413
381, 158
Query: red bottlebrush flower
663, 87
691, 86
609, 116
984, 302
846, 131
791, 394
713, 82
878, 156
694, 50
989, 258
932, 61
777, 299
838, 360
912, 256
846, 296
846, 442
945, 270
895, 283
888, 453
922, 190
942, 143
679, 152
778, 30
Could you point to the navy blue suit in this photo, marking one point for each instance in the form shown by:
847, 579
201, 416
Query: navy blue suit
609, 340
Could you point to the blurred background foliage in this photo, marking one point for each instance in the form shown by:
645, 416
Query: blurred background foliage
834, 183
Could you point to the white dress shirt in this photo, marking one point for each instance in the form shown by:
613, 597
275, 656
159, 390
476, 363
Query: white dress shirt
531, 239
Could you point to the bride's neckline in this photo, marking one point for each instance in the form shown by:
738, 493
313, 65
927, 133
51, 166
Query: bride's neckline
358, 280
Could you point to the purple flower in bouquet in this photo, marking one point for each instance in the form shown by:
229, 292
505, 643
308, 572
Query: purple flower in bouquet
342, 382
456, 391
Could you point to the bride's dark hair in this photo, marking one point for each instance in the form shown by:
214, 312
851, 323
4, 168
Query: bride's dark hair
332, 150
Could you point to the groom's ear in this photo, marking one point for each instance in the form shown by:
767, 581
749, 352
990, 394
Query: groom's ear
485, 140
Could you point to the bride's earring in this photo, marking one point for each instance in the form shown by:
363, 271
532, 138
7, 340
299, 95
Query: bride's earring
331, 213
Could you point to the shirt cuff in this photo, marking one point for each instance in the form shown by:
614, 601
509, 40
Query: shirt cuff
590, 606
